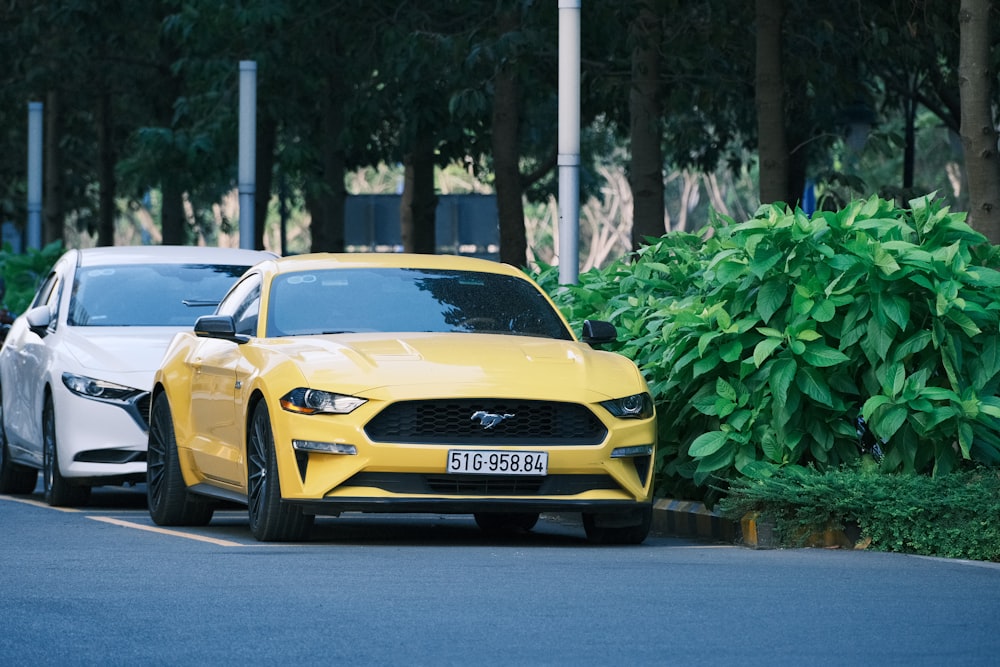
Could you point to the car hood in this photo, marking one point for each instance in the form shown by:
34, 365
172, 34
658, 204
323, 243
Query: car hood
460, 363
133, 352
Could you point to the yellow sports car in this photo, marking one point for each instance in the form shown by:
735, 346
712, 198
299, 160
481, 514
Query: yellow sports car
329, 383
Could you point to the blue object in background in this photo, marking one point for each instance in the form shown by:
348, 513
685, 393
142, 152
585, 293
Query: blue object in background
809, 197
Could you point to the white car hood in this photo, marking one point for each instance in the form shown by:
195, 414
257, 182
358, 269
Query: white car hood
106, 352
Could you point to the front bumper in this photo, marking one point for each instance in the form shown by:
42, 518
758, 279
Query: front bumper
334, 506
99, 443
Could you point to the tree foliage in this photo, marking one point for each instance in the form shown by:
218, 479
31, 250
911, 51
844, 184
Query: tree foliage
152, 90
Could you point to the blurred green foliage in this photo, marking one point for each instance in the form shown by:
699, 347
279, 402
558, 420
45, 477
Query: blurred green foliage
23, 272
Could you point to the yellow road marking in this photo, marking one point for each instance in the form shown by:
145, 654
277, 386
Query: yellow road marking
38, 503
166, 531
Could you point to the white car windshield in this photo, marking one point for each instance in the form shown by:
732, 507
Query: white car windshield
408, 300
148, 294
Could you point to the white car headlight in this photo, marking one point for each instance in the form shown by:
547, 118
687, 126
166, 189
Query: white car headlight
99, 390
313, 401
636, 406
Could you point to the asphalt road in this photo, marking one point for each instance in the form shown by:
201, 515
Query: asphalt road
104, 586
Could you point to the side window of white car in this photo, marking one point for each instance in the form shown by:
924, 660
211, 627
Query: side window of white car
48, 295
46, 291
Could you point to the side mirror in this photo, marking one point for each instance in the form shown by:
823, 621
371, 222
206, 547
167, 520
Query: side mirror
39, 318
597, 332
218, 326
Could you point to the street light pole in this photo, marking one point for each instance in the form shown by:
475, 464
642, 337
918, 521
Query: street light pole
34, 237
569, 141
247, 151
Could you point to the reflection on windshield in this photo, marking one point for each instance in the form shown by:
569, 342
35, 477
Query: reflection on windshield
409, 300
148, 295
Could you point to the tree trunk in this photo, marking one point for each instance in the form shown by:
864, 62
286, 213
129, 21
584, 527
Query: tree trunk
506, 156
418, 206
327, 226
267, 137
979, 136
53, 201
772, 145
646, 168
106, 171
172, 219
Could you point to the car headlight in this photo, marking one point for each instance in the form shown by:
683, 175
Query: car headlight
636, 406
99, 390
313, 401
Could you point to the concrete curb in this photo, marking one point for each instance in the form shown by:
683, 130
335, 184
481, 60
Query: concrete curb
691, 519
686, 518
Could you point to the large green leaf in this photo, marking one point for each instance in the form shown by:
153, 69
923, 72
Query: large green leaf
764, 348
770, 298
885, 422
818, 354
782, 374
707, 444
813, 384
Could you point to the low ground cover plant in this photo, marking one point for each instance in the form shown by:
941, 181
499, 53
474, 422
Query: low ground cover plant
953, 515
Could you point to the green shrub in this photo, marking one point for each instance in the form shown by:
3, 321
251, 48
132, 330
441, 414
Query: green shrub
953, 515
23, 272
764, 341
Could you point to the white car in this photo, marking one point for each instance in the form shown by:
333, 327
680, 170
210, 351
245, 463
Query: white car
77, 366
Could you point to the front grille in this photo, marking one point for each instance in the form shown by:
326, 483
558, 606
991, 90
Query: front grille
451, 422
483, 485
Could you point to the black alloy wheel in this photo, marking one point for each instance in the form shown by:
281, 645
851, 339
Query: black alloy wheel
271, 519
59, 492
169, 502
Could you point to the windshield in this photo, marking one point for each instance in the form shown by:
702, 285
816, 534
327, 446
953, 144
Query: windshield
149, 294
409, 300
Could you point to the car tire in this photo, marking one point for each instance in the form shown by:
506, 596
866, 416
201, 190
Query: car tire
271, 519
506, 523
167, 496
607, 528
59, 492
14, 478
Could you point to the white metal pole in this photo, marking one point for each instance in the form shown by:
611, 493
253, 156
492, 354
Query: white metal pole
248, 150
569, 141
34, 237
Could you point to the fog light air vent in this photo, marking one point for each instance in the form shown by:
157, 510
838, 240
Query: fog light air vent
324, 447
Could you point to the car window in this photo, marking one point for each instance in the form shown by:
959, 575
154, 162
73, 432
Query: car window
47, 290
409, 300
48, 295
149, 294
243, 304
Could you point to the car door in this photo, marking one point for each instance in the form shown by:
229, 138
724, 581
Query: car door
216, 391
29, 355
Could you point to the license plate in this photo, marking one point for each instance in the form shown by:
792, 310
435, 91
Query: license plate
488, 462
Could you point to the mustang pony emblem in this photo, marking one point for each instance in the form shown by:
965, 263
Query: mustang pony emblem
489, 419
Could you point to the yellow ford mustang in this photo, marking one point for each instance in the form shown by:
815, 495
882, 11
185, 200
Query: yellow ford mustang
327, 383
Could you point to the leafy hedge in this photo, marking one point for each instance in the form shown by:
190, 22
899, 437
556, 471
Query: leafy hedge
763, 342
